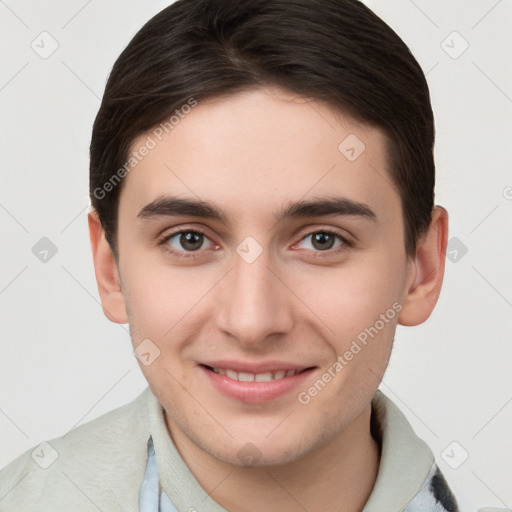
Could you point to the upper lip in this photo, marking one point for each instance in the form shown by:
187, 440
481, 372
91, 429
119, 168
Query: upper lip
261, 367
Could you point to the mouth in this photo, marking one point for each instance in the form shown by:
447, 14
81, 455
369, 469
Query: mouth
243, 376
255, 383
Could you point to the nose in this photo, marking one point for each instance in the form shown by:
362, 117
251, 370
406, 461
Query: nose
254, 304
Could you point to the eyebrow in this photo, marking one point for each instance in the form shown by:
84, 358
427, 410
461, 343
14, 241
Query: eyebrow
170, 206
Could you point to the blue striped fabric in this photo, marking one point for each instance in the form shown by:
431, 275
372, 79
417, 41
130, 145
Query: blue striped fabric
152, 499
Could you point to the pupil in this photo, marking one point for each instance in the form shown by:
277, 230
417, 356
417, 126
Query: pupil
191, 241
322, 241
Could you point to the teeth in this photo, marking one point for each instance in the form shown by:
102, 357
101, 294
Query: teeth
232, 374
263, 377
254, 377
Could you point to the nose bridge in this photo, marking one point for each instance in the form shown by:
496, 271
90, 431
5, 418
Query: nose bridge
254, 303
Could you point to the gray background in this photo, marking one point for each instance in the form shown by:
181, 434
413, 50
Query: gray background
62, 363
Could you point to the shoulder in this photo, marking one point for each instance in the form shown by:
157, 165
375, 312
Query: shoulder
90, 464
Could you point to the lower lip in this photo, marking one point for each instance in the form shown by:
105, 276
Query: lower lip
256, 392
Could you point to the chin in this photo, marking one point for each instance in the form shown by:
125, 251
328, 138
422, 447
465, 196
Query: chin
260, 452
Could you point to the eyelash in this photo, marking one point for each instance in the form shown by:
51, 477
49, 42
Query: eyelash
163, 242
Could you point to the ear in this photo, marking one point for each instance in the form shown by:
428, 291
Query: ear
107, 274
426, 271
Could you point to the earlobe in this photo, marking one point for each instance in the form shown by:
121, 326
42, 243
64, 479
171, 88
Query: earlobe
106, 271
427, 272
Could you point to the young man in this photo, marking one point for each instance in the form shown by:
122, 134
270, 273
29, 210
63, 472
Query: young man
262, 183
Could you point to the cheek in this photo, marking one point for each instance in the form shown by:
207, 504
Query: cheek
352, 297
358, 306
158, 296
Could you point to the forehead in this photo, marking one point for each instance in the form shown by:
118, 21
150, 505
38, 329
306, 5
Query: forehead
258, 149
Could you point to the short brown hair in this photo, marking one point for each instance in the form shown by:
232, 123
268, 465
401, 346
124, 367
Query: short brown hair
338, 51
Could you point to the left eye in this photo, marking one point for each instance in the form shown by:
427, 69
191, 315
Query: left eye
323, 240
189, 241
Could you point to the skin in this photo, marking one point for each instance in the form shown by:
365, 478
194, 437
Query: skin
251, 154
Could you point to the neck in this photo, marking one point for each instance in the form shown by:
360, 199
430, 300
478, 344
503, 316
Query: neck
339, 475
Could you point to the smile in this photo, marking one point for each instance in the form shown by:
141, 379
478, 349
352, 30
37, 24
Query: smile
263, 384
253, 377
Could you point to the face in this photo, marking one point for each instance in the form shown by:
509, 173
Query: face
261, 253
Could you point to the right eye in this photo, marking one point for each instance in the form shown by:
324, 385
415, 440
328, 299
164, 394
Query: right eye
185, 242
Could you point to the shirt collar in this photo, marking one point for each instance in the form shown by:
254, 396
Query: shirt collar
175, 477
405, 459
